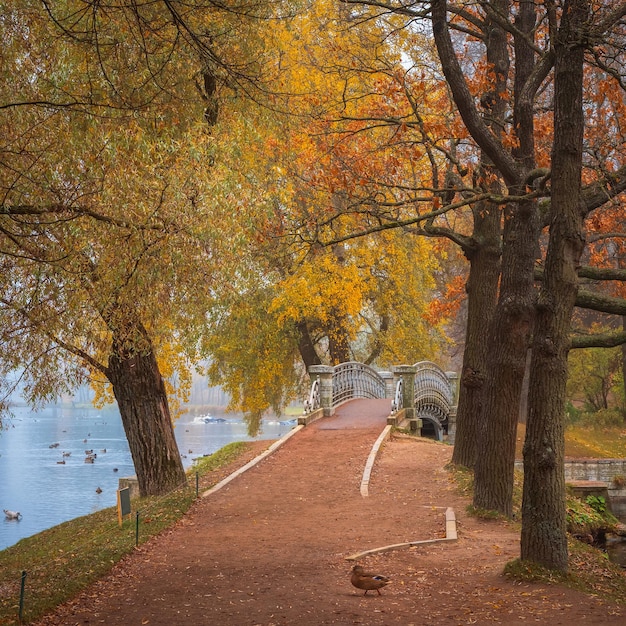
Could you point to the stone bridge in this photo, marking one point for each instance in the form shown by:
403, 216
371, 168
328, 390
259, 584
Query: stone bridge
422, 397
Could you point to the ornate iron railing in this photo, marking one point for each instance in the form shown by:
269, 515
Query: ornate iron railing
433, 390
356, 380
433, 395
312, 403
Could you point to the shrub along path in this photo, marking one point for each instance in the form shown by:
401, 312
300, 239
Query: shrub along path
270, 548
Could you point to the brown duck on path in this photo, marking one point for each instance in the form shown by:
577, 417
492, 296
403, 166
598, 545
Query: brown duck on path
365, 580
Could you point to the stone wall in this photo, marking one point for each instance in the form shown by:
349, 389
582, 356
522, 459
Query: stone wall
609, 471
595, 469
612, 472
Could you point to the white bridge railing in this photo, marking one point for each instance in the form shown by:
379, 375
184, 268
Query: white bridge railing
356, 380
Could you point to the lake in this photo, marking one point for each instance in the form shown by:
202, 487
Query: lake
45, 476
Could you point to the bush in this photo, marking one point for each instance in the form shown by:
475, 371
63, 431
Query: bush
603, 418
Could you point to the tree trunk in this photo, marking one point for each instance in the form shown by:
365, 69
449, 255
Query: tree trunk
509, 339
306, 347
512, 321
544, 536
624, 369
485, 264
142, 401
482, 289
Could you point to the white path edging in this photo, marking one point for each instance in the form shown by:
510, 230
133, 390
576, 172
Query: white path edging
451, 535
253, 462
365, 481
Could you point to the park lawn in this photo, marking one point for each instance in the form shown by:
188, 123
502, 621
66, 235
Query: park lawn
585, 442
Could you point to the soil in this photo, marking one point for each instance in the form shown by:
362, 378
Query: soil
271, 547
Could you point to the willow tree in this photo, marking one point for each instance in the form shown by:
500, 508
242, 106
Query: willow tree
115, 206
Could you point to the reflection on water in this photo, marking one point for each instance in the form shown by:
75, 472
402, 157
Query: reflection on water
45, 476
616, 551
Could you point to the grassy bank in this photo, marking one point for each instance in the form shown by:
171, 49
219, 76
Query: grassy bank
586, 442
63, 560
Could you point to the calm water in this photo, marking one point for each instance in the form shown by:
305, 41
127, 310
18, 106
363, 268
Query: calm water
47, 492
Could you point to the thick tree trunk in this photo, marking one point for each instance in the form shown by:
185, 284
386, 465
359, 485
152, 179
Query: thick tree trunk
509, 340
482, 289
142, 402
511, 325
544, 536
485, 265
624, 368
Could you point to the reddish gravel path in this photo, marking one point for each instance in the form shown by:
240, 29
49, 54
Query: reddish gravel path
270, 547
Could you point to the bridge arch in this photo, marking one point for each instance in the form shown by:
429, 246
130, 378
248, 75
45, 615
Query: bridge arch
433, 397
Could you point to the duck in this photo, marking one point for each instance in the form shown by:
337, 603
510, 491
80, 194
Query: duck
98, 490
12, 514
365, 580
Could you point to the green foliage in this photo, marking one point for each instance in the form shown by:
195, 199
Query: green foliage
588, 517
597, 503
253, 357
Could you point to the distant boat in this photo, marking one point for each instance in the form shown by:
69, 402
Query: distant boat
214, 420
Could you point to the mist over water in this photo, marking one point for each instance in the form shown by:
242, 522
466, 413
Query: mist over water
50, 484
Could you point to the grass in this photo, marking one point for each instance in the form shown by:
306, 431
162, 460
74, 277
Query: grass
63, 560
586, 442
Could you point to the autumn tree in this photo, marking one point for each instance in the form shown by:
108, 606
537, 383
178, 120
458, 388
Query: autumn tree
112, 213
364, 300
544, 537
502, 106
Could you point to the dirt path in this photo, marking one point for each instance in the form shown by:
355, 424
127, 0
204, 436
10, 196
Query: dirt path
270, 548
